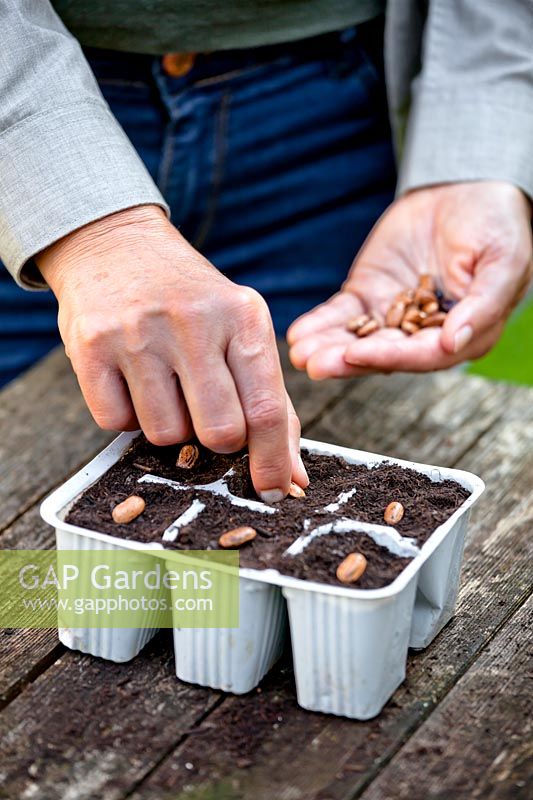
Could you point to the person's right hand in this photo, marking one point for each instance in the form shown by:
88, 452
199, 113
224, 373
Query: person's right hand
159, 339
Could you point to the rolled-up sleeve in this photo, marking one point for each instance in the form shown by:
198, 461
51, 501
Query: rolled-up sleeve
64, 159
471, 115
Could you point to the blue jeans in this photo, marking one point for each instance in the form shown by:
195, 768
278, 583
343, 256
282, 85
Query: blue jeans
275, 162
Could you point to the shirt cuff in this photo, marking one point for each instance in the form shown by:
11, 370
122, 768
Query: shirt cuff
451, 138
63, 169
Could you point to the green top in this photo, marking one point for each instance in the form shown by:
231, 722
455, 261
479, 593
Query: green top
165, 26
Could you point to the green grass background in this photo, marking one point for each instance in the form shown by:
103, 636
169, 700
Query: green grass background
512, 358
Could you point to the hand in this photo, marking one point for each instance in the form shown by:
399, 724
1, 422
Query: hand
159, 339
475, 238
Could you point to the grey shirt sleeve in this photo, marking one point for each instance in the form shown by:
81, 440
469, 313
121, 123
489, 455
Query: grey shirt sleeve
471, 115
64, 159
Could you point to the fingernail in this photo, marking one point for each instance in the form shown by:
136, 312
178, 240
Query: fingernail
302, 468
462, 337
270, 496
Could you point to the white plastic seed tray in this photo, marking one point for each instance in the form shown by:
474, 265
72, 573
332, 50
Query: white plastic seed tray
349, 645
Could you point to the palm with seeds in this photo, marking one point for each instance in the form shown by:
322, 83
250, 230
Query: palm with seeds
475, 241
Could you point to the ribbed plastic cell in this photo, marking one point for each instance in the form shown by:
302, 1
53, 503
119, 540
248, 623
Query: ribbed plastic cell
349, 645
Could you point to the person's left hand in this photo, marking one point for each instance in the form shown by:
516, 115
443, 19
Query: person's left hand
474, 238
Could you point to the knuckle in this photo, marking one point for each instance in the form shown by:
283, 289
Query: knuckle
161, 436
192, 311
294, 423
113, 420
266, 411
251, 305
226, 437
270, 470
134, 331
90, 333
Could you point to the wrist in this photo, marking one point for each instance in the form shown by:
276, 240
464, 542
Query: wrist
98, 238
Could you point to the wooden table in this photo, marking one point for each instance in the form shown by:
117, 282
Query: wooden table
75, 727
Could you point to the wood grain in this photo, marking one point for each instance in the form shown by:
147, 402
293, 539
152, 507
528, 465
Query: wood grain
88, 728
429, 418
24, 654
478, 742
46, 433
128, 730
337, 758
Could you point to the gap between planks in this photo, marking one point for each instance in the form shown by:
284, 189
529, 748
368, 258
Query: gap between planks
485, 720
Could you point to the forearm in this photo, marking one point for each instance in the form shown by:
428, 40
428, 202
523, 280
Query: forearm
64, 160
98, 239
471, 115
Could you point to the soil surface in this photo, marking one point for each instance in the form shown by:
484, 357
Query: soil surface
322, 556
426, 504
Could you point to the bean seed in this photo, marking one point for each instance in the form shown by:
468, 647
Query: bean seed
423, 296
427, 282
295, 490
188, 456
431, 307
366, 330
413, 314
351, 569
128, 510
394, 315
434, 320
357, 322
407, 296
409, 327
393, 513
237, 537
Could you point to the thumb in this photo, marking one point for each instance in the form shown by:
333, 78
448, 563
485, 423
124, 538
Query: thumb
493, 292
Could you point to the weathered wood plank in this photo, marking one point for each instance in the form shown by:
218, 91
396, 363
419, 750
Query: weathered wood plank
24, 654
335, 758
45, 433
87, 728
336, 741
478, 742
28, 532
430, 418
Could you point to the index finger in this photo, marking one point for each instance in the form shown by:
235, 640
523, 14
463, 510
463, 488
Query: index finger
253, 359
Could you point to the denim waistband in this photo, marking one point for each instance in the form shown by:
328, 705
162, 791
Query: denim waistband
113, 64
